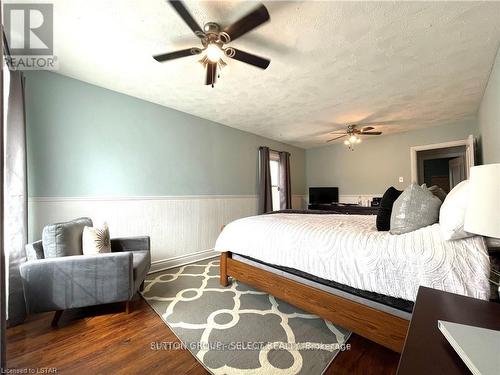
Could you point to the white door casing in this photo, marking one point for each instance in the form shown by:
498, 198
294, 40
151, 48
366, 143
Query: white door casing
469, 154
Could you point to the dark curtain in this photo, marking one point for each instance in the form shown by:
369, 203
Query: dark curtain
15, 197
3, 360
265, 195
284, 181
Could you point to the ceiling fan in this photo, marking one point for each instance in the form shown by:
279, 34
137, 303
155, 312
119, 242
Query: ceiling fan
213, 39
353, 133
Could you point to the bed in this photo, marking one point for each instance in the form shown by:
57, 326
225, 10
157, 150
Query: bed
341, 268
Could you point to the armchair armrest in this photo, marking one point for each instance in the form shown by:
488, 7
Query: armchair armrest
77, 281
130, 244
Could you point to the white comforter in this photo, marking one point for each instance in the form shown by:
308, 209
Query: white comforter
348, 249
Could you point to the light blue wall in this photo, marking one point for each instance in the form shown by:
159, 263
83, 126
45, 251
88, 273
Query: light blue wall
489, 117
84, 140
377, 163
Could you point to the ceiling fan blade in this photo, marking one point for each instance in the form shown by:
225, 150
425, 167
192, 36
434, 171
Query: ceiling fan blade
248, 58
249, 22
211, 73
370, 133
177, 54
181, 9
367, 128
334, 139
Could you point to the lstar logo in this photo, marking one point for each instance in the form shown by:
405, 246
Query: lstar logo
29, 29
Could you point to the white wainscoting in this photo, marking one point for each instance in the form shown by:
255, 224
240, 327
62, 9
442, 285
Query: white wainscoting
183, 229
354, 198
347, 198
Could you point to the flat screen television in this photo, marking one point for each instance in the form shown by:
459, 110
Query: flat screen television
323, 195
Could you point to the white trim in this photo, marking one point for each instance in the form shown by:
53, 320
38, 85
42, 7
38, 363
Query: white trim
468, 143
164, 264
140, 198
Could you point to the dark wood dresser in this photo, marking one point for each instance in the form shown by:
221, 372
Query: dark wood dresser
344, 209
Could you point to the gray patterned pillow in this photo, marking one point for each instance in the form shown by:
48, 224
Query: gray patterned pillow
415, 208
64, 239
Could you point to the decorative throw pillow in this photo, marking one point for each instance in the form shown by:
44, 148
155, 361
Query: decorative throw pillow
385, 209
415, 208
64, 239
452, 214
96, 240
437, 191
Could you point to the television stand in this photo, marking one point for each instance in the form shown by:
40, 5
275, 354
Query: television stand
347, 209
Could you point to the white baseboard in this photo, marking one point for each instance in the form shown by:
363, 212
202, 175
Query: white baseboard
165, 264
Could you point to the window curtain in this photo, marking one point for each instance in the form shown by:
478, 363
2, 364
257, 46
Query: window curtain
3, 359
15, 197
265, 195
284, 181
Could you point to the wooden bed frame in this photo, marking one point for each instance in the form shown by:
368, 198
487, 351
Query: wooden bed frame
378, 326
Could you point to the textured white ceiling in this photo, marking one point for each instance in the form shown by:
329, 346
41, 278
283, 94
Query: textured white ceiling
406, 64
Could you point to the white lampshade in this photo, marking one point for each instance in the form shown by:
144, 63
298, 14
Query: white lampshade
483, 209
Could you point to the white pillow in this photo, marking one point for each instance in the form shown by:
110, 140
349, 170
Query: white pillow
95, 240
452, 214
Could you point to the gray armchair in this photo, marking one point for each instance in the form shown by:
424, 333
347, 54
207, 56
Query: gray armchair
65, 282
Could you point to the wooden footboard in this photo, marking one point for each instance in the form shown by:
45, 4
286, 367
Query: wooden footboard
378, 326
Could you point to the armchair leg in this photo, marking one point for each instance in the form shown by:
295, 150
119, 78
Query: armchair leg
128, 307
56, 318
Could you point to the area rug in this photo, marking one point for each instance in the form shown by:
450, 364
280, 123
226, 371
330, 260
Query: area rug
237, 329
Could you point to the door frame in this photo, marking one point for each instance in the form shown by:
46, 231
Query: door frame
469, 154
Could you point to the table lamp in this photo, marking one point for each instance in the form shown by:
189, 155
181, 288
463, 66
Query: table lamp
483, 209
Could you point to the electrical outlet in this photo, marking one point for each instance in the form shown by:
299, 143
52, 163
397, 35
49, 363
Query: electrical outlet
401, 179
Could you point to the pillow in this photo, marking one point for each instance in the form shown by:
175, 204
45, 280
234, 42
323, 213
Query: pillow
438, 192
452, 214
385, 209
415, 208
64, 239
96, 240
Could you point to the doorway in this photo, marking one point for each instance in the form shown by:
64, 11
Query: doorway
443, 164
443, 167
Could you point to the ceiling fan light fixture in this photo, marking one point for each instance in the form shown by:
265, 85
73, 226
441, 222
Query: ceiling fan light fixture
214, 53
213, 38
353, 135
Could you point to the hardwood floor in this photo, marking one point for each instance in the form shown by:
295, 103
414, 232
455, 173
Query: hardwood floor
105, 340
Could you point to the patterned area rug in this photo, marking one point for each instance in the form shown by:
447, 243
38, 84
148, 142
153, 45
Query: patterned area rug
239, 330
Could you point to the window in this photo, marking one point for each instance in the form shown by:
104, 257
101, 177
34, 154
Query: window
274, 165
